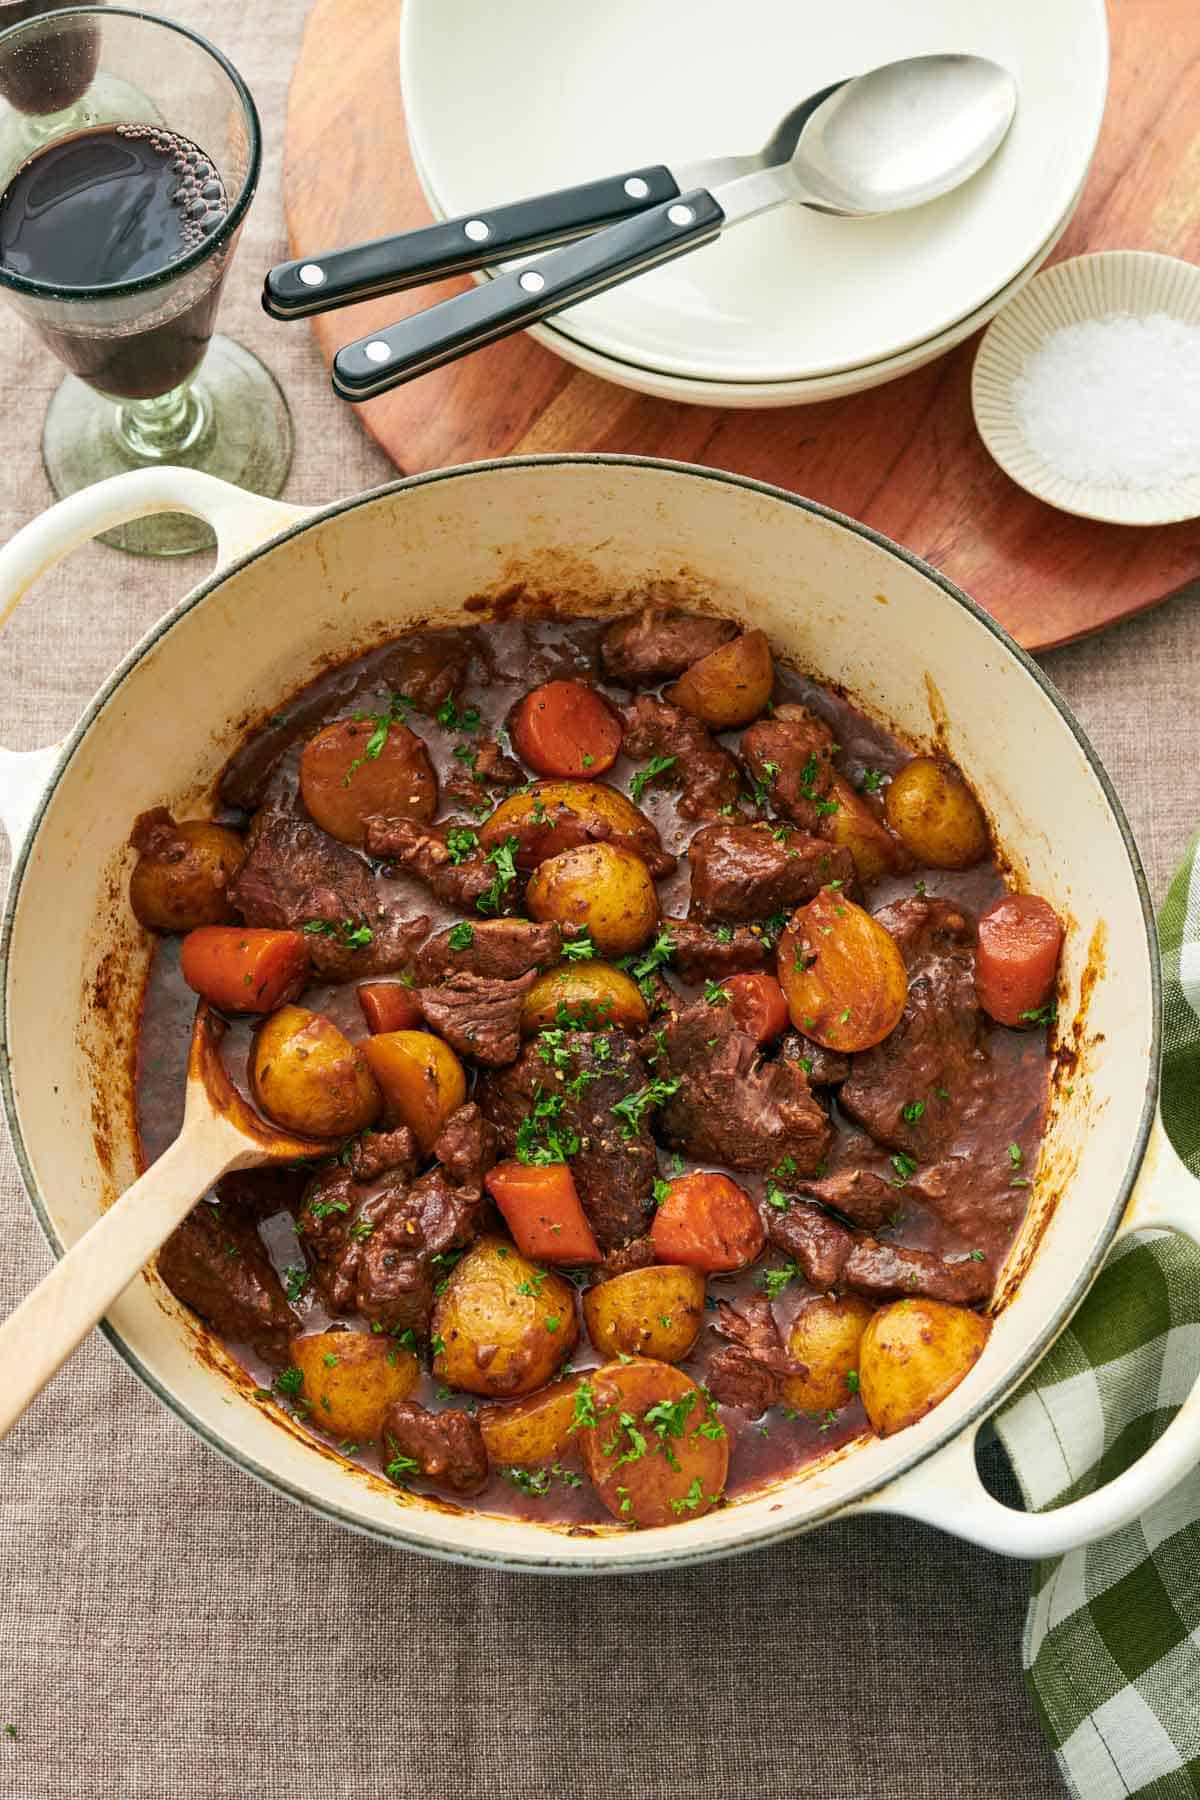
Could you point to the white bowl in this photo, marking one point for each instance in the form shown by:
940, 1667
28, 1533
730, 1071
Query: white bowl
511, 100
1112, 283
760, 395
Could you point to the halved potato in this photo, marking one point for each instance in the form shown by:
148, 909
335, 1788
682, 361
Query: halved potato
183, 876
856, 829
825, 1337
552, 816
603, 889
311, 1079
655, 1449
593, 994
843, 974
730, 686
530, 1431
646, 1312
935, 814
501, 1325
421, 1078
351, 1378
913, 1353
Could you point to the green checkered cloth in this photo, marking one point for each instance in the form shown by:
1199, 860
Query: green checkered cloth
1112, 1639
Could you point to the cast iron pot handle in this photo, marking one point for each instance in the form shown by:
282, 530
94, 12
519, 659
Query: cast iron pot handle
946, 1491
239, 520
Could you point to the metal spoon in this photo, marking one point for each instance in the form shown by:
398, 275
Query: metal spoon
220, 1132
893, 138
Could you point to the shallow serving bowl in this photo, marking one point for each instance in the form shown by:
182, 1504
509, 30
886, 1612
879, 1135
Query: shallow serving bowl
588, 534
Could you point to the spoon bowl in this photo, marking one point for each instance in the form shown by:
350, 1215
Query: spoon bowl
220, 1133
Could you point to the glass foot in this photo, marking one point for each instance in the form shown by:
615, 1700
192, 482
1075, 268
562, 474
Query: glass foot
232, 422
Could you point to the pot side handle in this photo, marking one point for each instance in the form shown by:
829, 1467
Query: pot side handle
239, 520
946, 1491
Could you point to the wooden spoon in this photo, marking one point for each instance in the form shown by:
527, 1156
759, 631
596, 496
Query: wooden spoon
220, 1132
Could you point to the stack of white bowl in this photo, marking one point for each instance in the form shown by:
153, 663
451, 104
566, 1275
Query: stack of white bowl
507, 101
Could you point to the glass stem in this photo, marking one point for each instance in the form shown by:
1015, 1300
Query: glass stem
159, 430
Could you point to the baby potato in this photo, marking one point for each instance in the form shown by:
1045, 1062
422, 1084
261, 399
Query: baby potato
421, 1078
351, 1378
602, 888
182, 877
309, 1078
730, 686
530, 1431
356, 767
558, 815
502, 1325
913, 1353
856, 828
936, 816
657, 1452
843, 974
646, 1312
593, 993
825, 1337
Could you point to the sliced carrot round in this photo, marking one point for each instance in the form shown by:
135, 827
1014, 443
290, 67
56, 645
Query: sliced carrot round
566, 728
757, 1004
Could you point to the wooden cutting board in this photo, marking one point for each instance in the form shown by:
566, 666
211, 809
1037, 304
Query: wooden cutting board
905, 458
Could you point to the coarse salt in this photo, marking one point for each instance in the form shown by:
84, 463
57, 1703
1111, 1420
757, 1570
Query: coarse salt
1115, 400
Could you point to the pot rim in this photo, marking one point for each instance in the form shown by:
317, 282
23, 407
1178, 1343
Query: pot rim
783, 1527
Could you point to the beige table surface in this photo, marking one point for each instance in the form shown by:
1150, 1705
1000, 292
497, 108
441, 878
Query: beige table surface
169, 1631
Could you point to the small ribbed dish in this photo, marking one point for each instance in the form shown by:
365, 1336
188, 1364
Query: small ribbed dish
1110, 284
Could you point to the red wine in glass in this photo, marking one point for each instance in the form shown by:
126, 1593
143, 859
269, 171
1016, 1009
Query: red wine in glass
112, 204
59, 71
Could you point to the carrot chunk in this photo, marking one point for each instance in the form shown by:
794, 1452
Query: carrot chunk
707, 1222
1020, 938
566, 728
242, 970
542, 1210
757, 1004
388, 1006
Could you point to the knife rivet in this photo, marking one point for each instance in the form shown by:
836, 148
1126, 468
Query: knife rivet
311, 275
376, 351
636, 188
532, 282
680, 215
477, 230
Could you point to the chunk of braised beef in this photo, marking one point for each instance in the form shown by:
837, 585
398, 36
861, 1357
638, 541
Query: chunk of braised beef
790, 755
891, 1271
752, 1373
638, 1253
468, 1147
396, 1271
702, 954
425, 668
824, 1068
379, 1153
480, 774
446, 1447
930, 1077
456, 876
216, 1263
658, 644
746, 872
812, 1239
501, 948
584, 1076
707, 777
477, 1015
295, 875
867, 1198
731, 1107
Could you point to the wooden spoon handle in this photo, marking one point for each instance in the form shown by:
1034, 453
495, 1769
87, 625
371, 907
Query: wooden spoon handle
38, 1337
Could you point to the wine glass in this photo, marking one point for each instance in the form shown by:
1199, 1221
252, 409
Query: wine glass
115, 239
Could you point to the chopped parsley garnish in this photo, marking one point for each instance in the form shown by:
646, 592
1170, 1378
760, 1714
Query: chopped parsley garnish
578, 948
872, 780
400, 1467
775, 1280
912, 1112
668, 1418
711, 1426
1015, 1155
290, 1380
361, 1230
691, 1499
321, 1209
770, 770
644, 966
904, 1167
539, 1140
534, 1286
460, 842
585, 1408
716, 995
354, 937
462, 937
383, 723
661, 1190
976, 1256
448, 715
633, 1108
724, 934
1041, 1015
501, 859
552, 1322
852, 1380
774, 926
784, 1167
635, 1445
658, 765
437, 1346
534, 1482
295, 1279
777, 1198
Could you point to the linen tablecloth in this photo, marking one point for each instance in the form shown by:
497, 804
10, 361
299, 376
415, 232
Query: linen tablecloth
170, 1631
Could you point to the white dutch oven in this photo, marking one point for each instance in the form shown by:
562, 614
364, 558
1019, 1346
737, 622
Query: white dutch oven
294, 588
